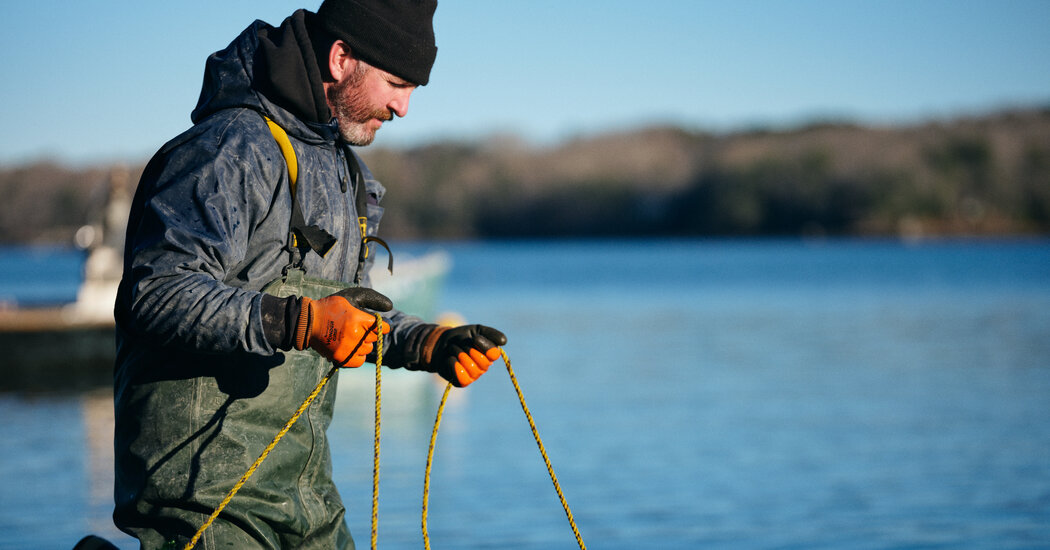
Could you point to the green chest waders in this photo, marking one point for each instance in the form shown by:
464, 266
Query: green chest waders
216, 429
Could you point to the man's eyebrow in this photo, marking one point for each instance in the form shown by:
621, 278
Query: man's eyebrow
398, 81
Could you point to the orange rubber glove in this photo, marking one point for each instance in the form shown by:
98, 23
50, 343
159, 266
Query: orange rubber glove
462, 354
338, 326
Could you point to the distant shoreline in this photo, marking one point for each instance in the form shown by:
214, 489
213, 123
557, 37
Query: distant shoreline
971, 176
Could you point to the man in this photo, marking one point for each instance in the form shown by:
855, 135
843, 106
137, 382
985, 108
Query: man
241, 273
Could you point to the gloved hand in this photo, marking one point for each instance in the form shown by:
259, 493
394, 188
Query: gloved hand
338, 327
461, 354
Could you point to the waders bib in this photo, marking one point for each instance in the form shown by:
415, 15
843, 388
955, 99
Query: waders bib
295, 490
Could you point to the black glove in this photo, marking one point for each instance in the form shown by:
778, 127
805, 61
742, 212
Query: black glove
366, 298
461, 354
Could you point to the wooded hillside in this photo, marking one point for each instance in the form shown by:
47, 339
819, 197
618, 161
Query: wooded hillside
985, 175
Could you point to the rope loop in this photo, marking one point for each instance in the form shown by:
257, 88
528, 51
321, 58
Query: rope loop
375, 463
539, 443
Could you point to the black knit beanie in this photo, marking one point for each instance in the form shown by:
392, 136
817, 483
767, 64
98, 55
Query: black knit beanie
394, 35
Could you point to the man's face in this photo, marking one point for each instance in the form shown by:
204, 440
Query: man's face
366, 98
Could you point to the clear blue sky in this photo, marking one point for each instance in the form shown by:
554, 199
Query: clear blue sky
92, 80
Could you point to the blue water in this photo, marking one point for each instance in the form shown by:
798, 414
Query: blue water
39, 276
691, 394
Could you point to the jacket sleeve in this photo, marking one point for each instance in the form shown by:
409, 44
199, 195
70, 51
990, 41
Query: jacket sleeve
193, 215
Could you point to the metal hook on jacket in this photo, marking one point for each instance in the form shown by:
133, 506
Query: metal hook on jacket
364, 254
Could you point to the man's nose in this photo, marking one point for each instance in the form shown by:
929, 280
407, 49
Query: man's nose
399, 104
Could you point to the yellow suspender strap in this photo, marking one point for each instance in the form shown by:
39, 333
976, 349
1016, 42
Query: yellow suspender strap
315, 238
281, 137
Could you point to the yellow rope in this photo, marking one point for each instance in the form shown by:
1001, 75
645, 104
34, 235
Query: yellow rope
430, 462
375, 447
280, 435
539, 443
375, 465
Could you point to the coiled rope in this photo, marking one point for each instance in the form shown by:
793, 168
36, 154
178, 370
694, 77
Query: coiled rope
375, 463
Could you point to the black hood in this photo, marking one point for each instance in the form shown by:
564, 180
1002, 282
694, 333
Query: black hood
270, 69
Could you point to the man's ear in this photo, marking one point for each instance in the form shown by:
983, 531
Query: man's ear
341, 60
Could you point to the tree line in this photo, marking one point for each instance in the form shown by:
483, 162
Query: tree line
981, 175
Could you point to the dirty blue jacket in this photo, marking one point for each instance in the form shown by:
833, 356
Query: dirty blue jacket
208, 230
210, 220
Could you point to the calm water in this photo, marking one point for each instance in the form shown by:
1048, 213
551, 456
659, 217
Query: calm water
691, 394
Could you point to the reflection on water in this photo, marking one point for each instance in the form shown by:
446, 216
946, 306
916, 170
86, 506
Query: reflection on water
97, 411
56, 470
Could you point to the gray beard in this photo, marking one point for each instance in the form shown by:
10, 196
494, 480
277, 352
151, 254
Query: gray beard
352, 110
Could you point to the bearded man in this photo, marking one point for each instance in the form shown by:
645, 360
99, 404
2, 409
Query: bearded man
245, 279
